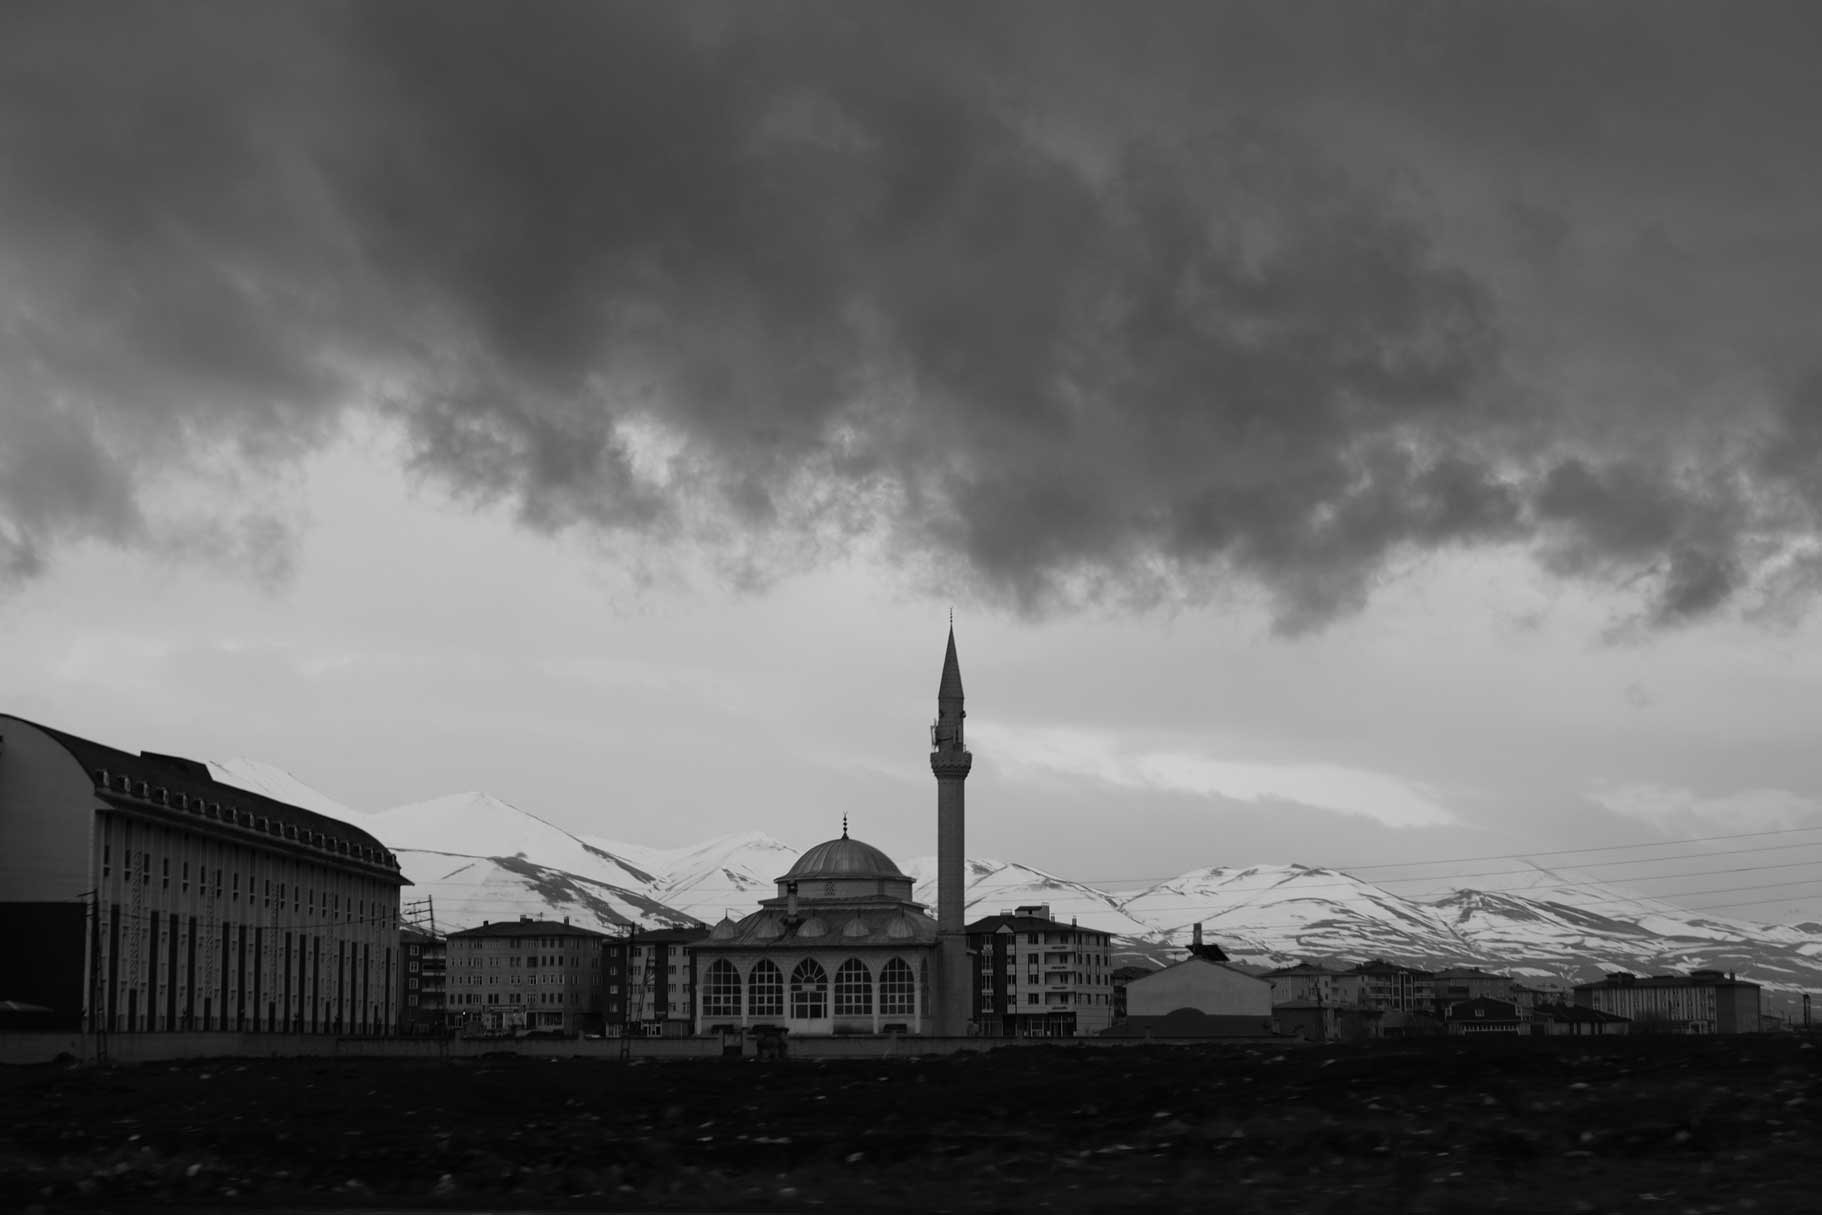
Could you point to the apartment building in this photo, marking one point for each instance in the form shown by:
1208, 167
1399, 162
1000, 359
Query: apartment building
1701, 1002
142, 895
423, 982
1308, 983
1456, 983
1038, 978
1390, 988
524, 975
651, 982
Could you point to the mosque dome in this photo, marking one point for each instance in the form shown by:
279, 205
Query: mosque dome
842, 857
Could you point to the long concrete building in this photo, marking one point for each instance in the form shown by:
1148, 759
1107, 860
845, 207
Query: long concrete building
139, 894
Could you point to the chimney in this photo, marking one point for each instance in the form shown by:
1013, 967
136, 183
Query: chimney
1196, 940
566, 920
790, 904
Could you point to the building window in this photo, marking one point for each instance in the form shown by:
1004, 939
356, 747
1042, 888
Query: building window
165, 883
897, 990
853, 989
186, 877
721, 990
765, 990
809, 990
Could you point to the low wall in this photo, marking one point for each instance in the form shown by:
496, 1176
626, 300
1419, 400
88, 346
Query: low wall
23, 1048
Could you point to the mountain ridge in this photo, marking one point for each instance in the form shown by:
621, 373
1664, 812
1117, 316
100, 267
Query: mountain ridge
476, 857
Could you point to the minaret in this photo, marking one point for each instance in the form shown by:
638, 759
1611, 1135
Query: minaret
950, 762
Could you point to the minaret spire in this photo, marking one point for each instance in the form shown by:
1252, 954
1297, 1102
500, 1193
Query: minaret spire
950, 762
951, 686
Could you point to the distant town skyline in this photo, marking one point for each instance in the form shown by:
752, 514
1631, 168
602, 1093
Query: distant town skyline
1359, 437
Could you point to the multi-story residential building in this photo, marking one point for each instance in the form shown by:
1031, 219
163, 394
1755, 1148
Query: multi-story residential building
141, 894
1038, 978
1456, 983
524, 975
651, 982
1308, 983
1393, 988
1701, 1002
1122, 975
423, 983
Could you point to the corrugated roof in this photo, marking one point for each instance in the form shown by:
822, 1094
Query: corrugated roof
189, 778
1029, 923
528, 928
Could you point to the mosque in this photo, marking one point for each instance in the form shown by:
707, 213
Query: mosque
842, 948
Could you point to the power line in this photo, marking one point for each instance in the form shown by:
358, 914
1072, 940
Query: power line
1155, 879
1350, 870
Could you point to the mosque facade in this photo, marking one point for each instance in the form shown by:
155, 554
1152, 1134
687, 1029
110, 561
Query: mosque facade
843, 947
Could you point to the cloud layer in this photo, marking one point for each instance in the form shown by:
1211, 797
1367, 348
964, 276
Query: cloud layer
1087, 310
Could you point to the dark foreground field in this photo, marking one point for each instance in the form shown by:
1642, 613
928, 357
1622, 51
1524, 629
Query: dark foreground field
1669, 1125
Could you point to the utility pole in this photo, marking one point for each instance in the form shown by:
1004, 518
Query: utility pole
626, 1008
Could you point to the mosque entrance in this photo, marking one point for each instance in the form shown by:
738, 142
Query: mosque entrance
809, 998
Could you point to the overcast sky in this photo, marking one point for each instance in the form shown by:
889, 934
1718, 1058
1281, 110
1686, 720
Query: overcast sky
1347, 433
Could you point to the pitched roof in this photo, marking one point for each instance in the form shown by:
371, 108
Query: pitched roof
1195, 960
173, 781
951, 686
666, 936
528, 928
1700, 978
1483, 1007
1577, 1012
1028, 923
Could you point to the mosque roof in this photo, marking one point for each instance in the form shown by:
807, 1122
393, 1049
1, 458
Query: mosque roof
877, 926
843, 857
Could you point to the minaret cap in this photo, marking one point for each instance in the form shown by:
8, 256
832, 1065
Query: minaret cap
951, 688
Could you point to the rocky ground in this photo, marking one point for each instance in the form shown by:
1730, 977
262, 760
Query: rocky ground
1675, 1125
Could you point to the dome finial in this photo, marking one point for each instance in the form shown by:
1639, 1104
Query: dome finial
844, 826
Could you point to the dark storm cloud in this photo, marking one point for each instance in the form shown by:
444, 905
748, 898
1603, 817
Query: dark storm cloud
1099, 308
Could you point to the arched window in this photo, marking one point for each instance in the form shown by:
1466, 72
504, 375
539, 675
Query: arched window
721, 990
897, 990
853, 989
809, 990
765, 990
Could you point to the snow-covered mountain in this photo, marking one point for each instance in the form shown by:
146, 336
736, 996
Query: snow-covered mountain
278, 784
479, 858
995, 886
1270, 915
723, 875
